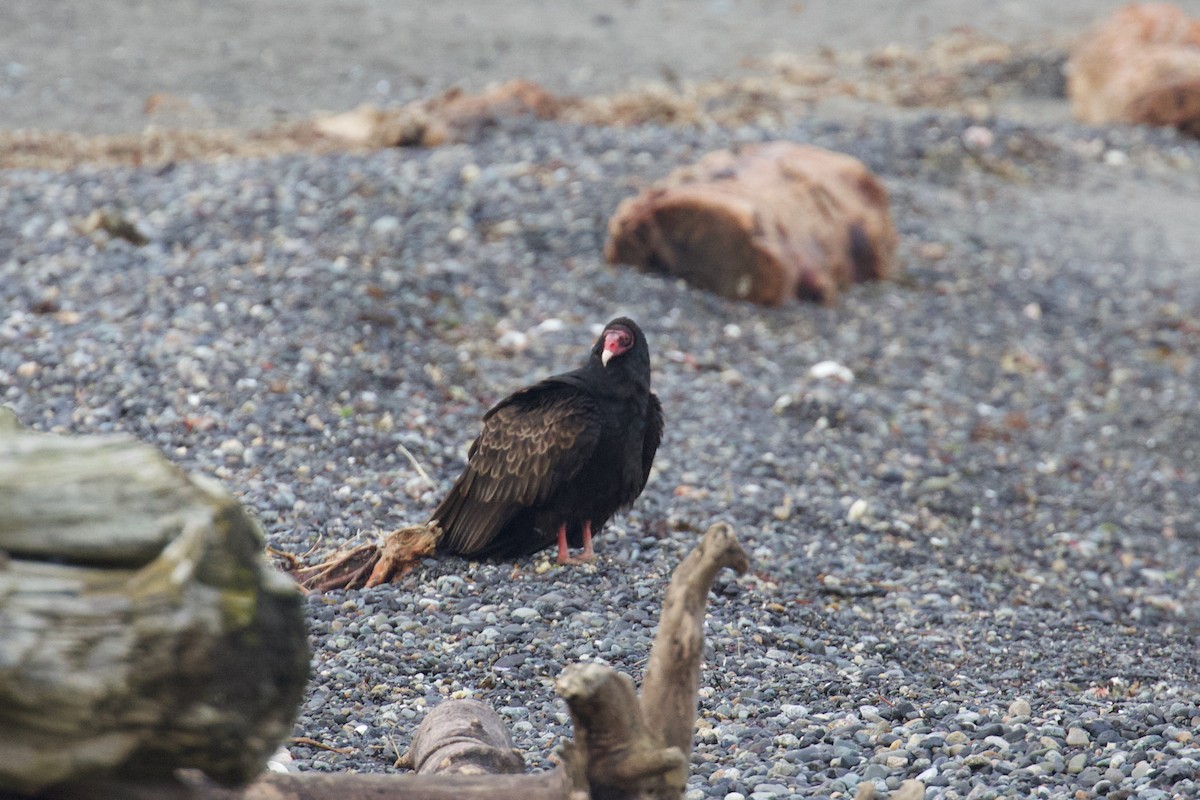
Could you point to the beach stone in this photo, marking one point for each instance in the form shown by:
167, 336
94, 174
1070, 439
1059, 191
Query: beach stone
1019, 708
1077, 737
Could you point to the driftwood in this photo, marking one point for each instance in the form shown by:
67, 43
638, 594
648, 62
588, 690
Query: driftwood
146, 651
672, 681
1141, 65
772, 222
623, 748
551, 785
462, 738
375, 563
452, 117
140, 628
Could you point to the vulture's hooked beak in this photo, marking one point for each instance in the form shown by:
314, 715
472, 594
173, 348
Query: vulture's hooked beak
605, 356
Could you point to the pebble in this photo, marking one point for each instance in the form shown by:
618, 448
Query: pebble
858, 510
526, 614
385, 225
1020, 708
831, 370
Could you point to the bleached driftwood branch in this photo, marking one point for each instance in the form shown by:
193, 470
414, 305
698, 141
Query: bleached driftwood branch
623, 748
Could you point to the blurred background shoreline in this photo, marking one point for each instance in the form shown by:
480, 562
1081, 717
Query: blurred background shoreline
109, 66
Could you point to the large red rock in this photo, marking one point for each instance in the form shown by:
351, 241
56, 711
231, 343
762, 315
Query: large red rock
1141, 65
769, 223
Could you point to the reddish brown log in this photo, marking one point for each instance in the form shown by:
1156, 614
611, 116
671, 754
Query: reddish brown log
772, 222
1139, 66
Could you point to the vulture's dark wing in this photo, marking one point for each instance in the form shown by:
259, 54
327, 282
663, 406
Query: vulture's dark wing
654, 432
532, 443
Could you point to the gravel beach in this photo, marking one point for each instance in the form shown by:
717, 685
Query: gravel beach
95, 65
976, 564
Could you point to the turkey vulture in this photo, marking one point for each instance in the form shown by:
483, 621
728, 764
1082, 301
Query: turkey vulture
557, 459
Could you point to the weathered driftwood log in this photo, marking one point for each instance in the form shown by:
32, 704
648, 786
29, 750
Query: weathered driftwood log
769, 223
465, 737
552, 785
140, 628
623, 748
1141, 65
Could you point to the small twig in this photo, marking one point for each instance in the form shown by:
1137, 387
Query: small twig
416, 464
315, 545
402, 759
293, 560
310, 742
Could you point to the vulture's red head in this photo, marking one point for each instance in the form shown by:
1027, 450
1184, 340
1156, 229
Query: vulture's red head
621, 336
616, 340
621, 355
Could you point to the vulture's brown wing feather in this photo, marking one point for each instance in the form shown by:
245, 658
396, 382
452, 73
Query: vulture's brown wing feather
532, 443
